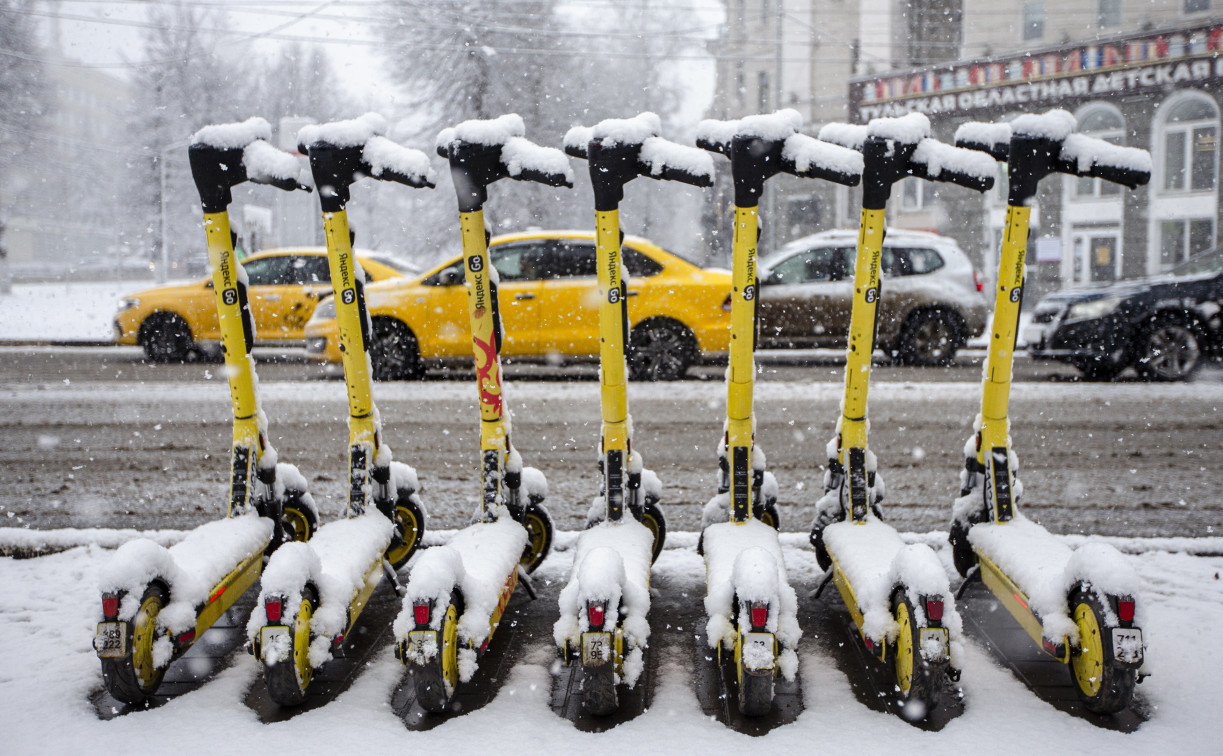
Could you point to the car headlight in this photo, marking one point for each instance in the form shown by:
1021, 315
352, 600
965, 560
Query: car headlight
128, 303
1095, 308
324, 311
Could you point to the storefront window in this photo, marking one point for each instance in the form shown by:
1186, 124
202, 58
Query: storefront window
1180, 240
1191, 147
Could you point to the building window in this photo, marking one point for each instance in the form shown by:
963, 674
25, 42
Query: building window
763, 98
1102, 122
1109, 13
934, 30
1197, 6
916, 194
1181, 239
1191, 146
1034, 19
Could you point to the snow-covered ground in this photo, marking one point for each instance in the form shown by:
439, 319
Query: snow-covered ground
48, 606
63, 311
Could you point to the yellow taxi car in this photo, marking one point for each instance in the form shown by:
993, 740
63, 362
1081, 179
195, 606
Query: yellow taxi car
548, 300
285, 285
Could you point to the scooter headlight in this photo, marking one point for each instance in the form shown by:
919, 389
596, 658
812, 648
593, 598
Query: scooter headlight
1096, 308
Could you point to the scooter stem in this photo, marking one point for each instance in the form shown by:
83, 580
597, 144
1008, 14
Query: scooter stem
613, 316
741, 379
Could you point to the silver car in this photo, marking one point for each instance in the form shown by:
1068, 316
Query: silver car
932, 298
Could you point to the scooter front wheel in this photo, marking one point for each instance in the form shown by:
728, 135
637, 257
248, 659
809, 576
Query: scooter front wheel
409, 530
539, 527
917, 681
652, 518
1103, 687
134, 677
288, 678
962, 554
437, 679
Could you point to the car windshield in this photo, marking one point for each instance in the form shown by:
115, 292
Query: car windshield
1208, 262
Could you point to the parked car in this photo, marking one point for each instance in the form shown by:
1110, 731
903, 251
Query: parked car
285, 285
931, 302
1164, 326
548, 295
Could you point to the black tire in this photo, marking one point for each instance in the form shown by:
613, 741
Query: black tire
930, 338
1106, 368
298, 521
962, 554
822, 558
287, 680
653, 519
431, 679
394, 352
660, 350
918, 683
166, 337
409, 529
755, 692
134, 678
1169, 348
768, 515
539, 527
599, 689
1102, 686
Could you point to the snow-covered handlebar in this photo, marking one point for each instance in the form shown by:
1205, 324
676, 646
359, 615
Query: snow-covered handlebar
774, 140
343, 151
225, 155
636, 145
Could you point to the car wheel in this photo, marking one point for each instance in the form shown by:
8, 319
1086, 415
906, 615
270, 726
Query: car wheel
930, 337
166, 338
660, 350
1104, 368
393, 351
1169, 349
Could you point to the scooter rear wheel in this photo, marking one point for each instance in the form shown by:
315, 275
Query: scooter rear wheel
769, 516
409, 529
1102, 686
917, 681
135, 677
539, 527
599, 689
288, 679
437, 680
652, 518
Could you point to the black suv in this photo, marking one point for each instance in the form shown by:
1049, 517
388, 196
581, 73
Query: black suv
1164, 327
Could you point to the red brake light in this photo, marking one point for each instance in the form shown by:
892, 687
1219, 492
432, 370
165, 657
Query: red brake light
978, 279
760, 616
274, 608
596, 614
934, 609
420, 612
1125, 608
186, 637
726, 304
110, 606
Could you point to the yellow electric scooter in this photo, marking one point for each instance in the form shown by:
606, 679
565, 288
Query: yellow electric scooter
458, 592
753, 621
604, 606
157, 602
898, 595
1079, 606
312, 595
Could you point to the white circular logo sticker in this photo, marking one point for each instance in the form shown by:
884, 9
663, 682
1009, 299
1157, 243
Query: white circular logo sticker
229, 296
476, 263
349, 296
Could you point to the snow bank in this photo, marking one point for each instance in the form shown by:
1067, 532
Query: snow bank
335, 561
231, 136
612, 564
1046, 569
477, 561
354, 132
756, 543
190, 568
384, 155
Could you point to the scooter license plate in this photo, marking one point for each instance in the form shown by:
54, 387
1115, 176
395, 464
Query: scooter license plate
596, 648
111, 641
422, 643
1127, 645
270, 638
933, 643
758, 650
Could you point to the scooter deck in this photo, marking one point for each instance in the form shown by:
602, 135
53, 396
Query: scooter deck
210, 655
1044, 675
369, 635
